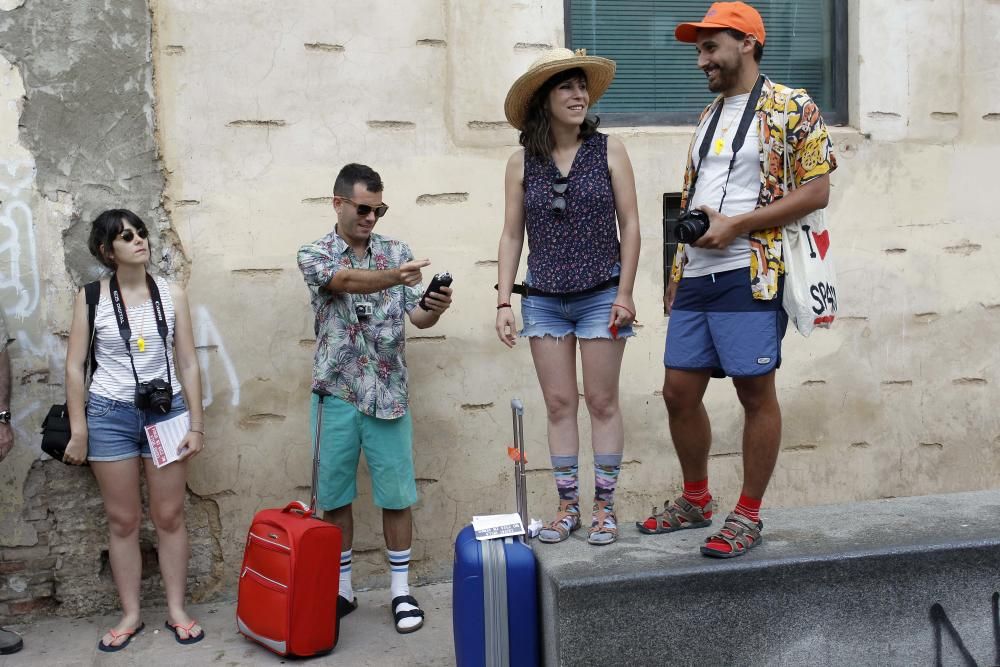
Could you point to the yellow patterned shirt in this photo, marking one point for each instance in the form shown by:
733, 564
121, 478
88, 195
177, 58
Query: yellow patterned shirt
811, 156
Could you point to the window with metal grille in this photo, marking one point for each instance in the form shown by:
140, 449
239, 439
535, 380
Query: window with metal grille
658, 82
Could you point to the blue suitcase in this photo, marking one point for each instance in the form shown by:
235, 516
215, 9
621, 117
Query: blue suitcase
494, 589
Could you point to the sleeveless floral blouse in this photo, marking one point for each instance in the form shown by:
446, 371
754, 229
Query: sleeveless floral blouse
578, 248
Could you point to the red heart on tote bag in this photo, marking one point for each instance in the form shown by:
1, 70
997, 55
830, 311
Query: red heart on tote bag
822, 242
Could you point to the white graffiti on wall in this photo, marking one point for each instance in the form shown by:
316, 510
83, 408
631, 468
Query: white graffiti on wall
207, 339
17, 237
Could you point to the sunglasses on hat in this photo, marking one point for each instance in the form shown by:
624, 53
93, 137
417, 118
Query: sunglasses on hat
365, 209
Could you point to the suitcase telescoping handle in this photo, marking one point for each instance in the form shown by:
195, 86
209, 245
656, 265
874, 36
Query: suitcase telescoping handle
298, 506
520, 488
319, 431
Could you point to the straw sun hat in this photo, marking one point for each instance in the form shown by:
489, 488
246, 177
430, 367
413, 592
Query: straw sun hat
600, 72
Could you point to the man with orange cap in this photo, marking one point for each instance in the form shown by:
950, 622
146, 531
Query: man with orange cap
724, 295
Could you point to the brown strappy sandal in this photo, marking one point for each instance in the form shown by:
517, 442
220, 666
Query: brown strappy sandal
558, 525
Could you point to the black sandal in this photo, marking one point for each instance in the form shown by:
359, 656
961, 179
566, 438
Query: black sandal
345, 606
411, 613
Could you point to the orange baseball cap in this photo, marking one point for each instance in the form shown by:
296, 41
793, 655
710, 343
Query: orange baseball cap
737, 15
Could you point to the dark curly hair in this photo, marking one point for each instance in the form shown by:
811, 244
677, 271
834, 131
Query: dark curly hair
536, 137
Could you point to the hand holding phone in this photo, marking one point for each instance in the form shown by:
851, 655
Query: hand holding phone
437, 282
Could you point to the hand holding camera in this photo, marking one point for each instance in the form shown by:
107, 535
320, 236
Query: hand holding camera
704, 227
434, 289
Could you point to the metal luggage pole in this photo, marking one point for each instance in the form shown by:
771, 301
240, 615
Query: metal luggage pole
315, 475
521, 491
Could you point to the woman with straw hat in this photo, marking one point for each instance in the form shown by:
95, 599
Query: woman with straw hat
572, 190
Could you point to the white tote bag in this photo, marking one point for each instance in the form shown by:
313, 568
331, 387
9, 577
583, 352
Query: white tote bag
810, 297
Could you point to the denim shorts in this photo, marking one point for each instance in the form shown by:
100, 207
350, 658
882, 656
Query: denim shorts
717, 326
117, 428
584, 316
388, 448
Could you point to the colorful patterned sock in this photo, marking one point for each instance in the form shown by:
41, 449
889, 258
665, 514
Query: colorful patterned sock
697, 493
346, 589
566, 469
606, 470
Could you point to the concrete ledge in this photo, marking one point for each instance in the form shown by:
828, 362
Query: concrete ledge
847, 584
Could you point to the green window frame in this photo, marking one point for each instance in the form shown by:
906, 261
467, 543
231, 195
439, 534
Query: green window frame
658, 82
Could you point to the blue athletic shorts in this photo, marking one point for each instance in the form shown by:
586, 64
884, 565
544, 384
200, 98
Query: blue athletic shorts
717, 326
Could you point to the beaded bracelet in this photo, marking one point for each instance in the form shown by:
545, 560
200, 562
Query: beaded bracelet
503, 305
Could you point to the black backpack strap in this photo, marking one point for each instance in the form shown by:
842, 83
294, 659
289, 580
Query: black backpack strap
92, 293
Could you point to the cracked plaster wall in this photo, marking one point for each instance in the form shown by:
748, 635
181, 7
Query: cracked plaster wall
77, 135
257, 111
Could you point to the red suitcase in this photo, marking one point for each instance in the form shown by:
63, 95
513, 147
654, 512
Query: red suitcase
287, 599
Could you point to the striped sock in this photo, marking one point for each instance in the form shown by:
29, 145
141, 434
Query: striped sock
346, 589
399, 572
697, 493
606, 470
748, 507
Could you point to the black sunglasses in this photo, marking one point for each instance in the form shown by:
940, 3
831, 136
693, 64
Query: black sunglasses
558, 203
127, 235
365, 209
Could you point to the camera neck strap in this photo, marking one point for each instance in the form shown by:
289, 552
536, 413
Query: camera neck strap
741, 136
121, 316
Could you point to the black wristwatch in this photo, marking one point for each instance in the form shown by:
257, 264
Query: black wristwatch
4, 416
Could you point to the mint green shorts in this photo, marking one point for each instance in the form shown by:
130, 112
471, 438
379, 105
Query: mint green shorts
388, 447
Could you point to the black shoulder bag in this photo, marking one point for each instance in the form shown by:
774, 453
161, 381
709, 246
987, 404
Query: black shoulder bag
55, 427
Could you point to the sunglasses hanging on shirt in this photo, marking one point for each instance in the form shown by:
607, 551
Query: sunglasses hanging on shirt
558, 203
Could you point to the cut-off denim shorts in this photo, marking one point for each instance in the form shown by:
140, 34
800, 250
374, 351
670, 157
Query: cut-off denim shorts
584, 316
117, 429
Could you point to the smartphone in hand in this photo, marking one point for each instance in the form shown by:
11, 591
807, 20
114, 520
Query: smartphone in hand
437, 282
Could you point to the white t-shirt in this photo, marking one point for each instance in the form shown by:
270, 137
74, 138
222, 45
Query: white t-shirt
741, 193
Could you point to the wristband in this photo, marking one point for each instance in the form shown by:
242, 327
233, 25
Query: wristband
625, 308
503, 305
191, 430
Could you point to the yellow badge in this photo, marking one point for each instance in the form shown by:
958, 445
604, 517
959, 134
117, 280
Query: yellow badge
720, 143
141, 344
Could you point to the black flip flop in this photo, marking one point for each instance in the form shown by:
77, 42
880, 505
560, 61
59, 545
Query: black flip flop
111, 648
190, 639
345, 606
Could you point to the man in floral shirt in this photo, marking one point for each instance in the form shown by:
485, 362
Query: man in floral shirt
724, 294
362, 285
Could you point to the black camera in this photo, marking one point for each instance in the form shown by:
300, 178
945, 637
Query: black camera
364, 310
155, 396
691, 226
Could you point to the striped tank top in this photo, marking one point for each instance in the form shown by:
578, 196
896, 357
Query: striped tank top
114, 378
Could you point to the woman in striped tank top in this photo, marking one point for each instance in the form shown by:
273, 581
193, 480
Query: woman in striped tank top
572, 192
107, 427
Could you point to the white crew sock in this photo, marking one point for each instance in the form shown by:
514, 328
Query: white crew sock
399, 584
346, 589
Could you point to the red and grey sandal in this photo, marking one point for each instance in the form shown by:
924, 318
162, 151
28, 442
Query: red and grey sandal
739, 533
677, 515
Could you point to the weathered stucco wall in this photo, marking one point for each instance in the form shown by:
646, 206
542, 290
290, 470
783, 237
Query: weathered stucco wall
256, 110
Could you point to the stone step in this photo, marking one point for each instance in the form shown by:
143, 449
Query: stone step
905, 581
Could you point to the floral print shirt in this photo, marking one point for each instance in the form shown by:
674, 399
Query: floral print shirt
360, 361
577, 249
811, 156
